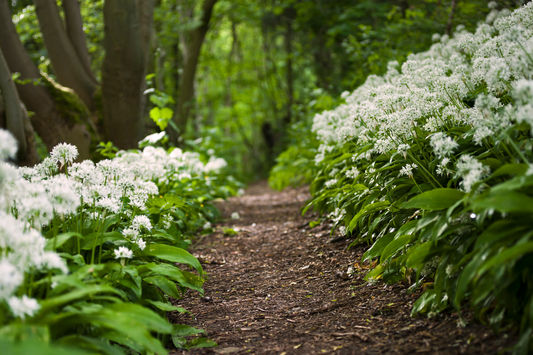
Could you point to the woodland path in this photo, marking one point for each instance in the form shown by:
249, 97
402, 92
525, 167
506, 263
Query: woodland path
280, 287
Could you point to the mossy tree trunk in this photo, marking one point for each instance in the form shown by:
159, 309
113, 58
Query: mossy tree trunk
64, 55
59, 114
191, 55
13, 111
126, 43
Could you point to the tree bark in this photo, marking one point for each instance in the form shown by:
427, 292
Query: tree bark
60, 115
14, 121
74, 29
32, 157
450, 18
67, 65
191, 56
123, 73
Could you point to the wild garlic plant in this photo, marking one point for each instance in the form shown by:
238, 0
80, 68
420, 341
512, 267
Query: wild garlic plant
432, 165
71, 230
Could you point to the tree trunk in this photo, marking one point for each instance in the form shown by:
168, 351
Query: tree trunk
450, 17
67, 65
186, 91
32, 157
14, 121
60, 115
74, 28
123, 73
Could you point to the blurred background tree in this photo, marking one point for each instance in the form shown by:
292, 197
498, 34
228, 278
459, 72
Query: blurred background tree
241, 79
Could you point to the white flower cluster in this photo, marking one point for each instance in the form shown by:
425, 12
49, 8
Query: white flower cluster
31, 197
430, 92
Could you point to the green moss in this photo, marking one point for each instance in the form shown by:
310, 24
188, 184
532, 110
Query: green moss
73, 108
68, 103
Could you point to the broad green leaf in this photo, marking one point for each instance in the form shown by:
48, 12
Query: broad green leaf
176, 255
395, 245
437, 199
100, 239
60, 239
185, 330
75, 295
423, 253
167, 307
201, 343
38, 347
510, 169
506, 256
166, 113
423, 304
373, 207
378, 247
148, 318
504, 201
184, 278
164, 284
93, 345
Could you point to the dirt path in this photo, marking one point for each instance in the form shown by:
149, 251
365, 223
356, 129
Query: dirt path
279, 287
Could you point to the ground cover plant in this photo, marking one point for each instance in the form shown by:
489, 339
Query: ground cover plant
431, 164
92, 253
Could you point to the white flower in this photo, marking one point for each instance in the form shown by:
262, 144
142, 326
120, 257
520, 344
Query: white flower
50, 260
130, 233
235, 215
352, 173
22, 307
64, 153
141, 221
442, 144
11, 278
141, 243
8, 145
471, 170
330, 183
207, 225
408, 170
123, 252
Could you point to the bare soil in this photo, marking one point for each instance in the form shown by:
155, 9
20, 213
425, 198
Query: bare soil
280, 287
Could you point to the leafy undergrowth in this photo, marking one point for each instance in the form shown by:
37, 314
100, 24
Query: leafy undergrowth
92, 253
432, 164
279, 286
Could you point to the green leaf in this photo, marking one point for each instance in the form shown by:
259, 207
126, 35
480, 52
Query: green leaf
166, 113
93, 345
504, 201
176, 255
506, 256
75, 295
422, 253
38, 347
373, 207
201, 343
100, 239
164, 284
185, 330
437, 199
510, 169
423, 304
394, 246
167, 307
378, 247
185, 278
60, 239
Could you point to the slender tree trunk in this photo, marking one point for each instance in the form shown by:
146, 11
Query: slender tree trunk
450, 18
123, 73
67, 65
74, 29
191, 56
59, 114
14, 121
